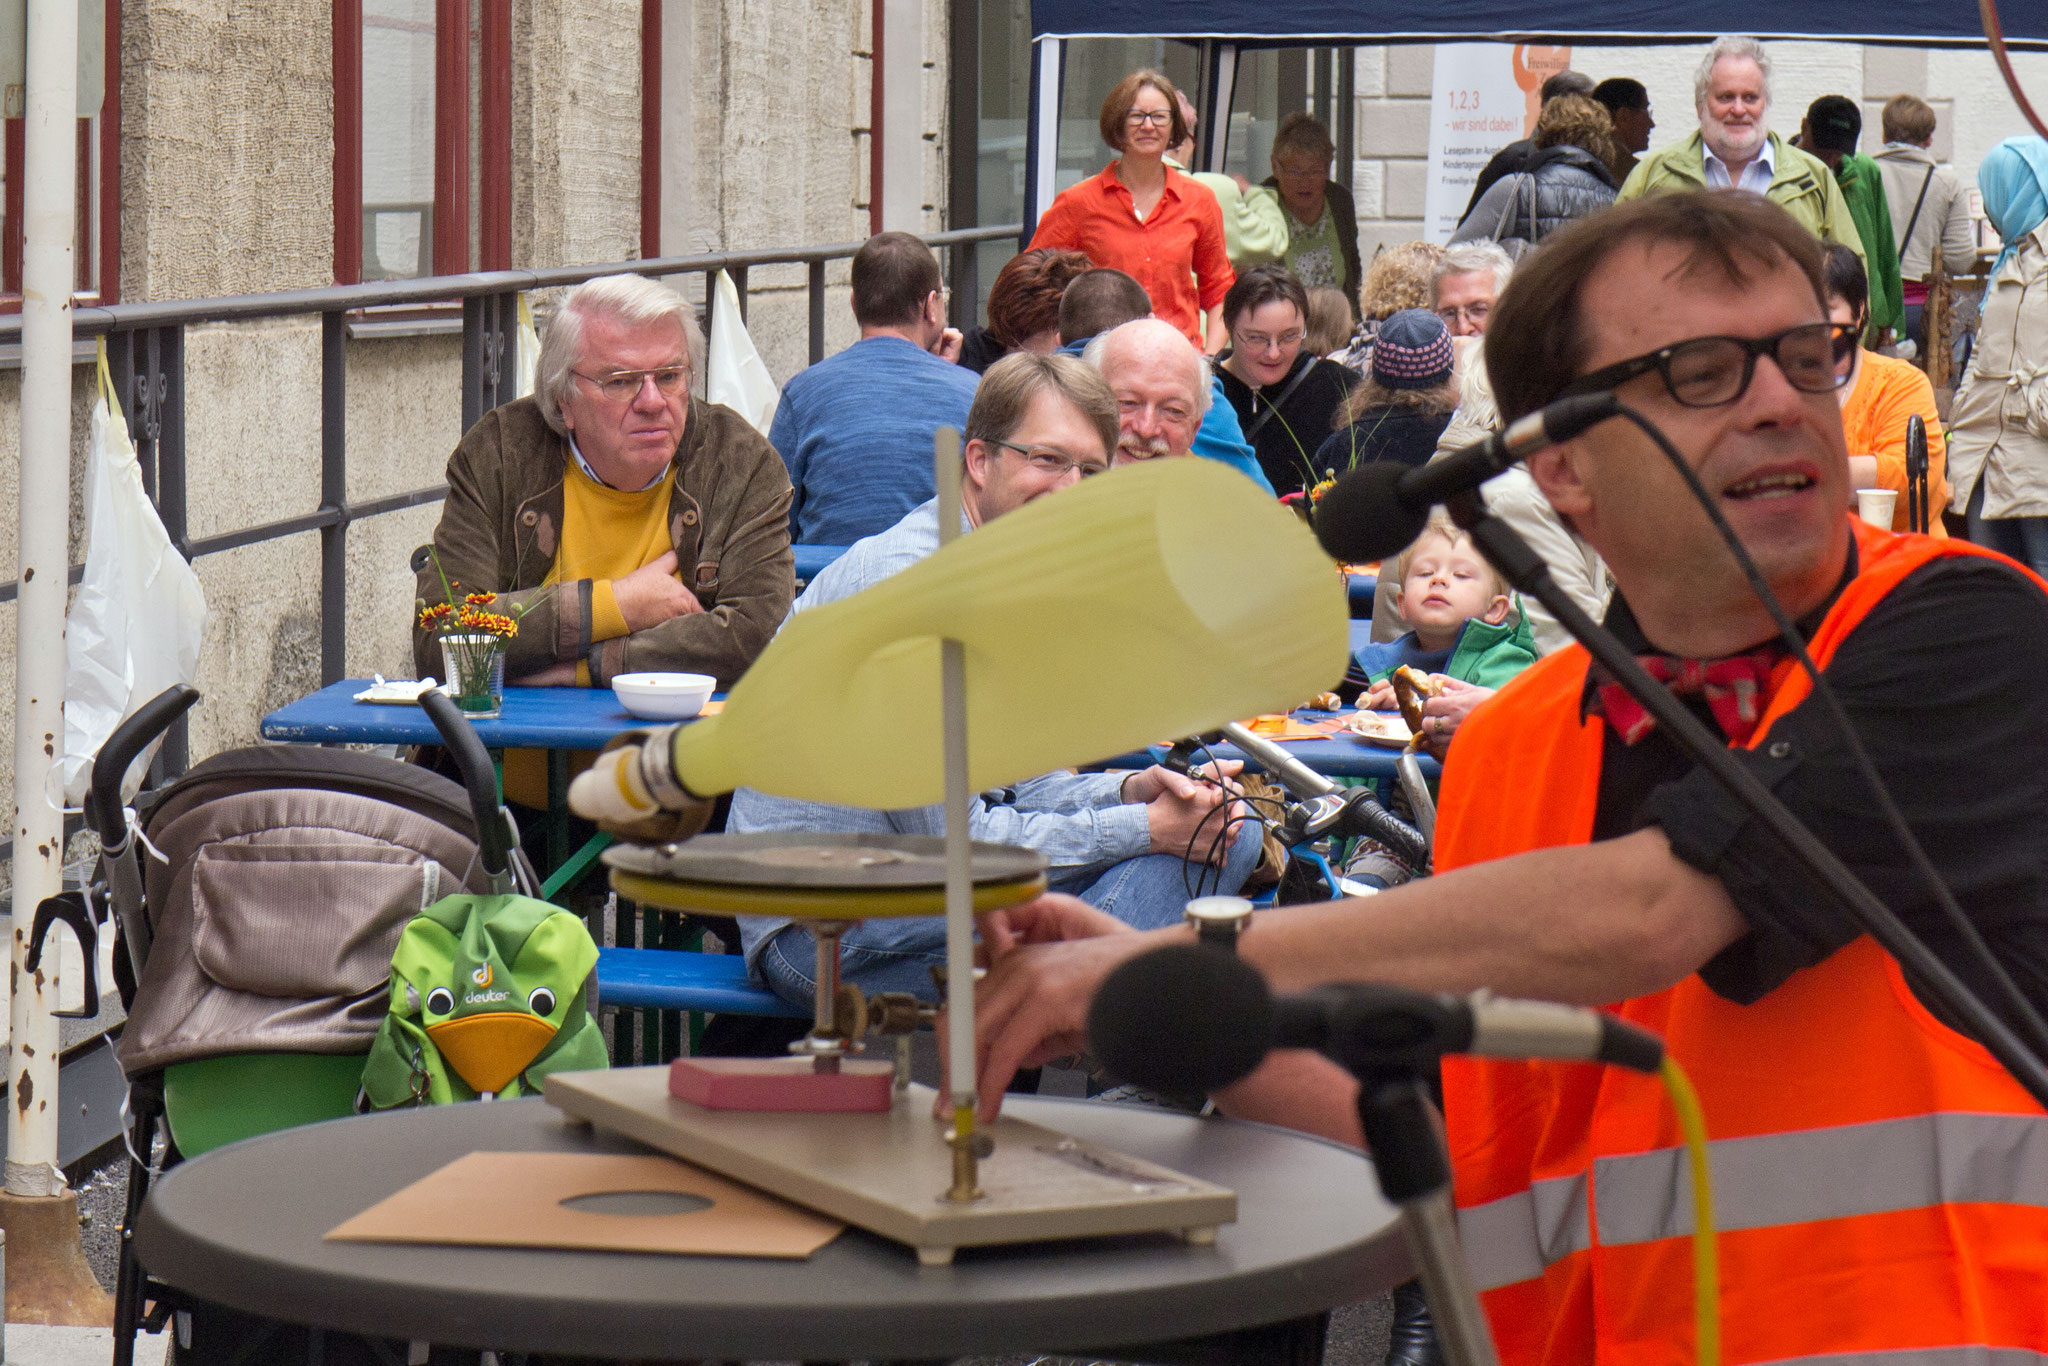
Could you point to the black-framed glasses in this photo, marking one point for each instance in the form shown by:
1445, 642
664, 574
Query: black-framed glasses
1158, 118
1706, 372
1046, 460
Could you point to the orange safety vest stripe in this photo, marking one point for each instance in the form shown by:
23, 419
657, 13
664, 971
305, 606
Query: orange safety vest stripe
1879, 1204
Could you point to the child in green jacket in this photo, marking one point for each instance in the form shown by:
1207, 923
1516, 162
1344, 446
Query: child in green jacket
1465, 624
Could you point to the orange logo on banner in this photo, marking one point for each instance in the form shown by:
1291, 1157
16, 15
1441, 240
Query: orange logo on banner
1534, 64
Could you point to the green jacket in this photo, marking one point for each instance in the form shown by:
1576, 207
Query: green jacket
1801, 184
728, 521
1486, 656
1863, 189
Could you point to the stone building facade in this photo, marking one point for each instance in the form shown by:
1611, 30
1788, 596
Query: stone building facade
227, 172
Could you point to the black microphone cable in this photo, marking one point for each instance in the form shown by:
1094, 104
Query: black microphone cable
2023, 1009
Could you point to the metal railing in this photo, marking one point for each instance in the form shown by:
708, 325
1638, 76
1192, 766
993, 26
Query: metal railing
146, 353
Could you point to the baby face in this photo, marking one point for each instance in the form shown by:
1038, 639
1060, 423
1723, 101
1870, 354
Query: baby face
1447, 584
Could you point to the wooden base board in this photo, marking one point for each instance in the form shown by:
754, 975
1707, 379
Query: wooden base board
888, 1173
784, 1085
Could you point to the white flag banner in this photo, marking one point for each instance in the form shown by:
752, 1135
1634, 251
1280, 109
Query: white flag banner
1486, 97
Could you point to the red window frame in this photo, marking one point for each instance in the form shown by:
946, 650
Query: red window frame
452, 132
107, 190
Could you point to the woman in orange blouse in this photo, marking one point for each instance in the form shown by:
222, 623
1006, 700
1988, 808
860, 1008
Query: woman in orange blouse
1880, 395
1145, 218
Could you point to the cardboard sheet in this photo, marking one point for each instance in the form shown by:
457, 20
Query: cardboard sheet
574, 1200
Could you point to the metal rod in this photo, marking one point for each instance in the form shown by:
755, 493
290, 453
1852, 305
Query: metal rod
1430, 1228
959, 874
48, 271
334, 495
817, 292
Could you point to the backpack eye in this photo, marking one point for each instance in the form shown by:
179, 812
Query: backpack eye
542, 1001
440, 1000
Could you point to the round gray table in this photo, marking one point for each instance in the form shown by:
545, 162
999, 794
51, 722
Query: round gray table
241, 1226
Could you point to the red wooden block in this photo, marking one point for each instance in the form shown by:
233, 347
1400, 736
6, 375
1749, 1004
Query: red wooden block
786, 1084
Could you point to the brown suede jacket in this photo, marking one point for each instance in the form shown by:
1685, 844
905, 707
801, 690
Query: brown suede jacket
728, 519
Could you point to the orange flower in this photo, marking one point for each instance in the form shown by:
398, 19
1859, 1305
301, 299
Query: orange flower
433, 616
481, 599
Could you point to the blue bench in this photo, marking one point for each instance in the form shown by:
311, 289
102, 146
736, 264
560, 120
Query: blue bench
676, 979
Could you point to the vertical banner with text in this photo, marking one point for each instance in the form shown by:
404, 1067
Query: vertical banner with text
1486, 97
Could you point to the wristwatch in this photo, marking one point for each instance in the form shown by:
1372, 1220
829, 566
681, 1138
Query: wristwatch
1219, 920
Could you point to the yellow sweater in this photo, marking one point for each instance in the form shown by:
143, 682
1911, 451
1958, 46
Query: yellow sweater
606, 534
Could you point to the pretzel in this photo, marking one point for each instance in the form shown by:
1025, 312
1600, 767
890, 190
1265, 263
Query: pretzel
1411, 688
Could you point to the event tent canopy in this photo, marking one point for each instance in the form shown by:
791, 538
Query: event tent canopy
1223, 28
1336, 22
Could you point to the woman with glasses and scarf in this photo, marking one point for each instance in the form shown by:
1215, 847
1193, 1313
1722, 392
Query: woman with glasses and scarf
1143, 217
1998, 428
1286, 397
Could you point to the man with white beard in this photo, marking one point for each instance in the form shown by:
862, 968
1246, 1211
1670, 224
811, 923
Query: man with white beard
1161, 383
1734, 150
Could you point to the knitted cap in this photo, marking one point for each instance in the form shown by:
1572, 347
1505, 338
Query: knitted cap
1412, 350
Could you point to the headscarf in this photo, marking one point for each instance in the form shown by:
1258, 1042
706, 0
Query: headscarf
2014, 181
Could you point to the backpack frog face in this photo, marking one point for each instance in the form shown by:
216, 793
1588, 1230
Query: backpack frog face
491, 983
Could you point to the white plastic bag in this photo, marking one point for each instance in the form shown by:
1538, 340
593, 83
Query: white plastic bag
136, 622
734, 373
526, 350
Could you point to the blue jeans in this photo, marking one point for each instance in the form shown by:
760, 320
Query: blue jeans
2023, 538
1146, 893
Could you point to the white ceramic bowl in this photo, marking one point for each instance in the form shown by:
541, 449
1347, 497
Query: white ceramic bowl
663, 697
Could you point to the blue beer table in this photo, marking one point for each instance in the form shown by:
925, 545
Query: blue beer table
557, 720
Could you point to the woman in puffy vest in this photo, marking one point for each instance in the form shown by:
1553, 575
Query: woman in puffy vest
1570, 176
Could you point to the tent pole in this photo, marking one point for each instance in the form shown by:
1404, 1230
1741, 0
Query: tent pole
1220, 87
1042, 152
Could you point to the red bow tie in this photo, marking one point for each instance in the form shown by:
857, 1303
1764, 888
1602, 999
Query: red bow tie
1735, 688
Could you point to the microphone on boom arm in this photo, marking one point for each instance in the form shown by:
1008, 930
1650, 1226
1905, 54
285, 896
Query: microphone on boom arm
1187, 1019
1377, 509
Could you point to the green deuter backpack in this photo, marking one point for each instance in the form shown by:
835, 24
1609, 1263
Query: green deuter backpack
487, 997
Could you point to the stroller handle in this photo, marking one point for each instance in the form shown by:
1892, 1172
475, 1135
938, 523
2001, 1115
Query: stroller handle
493, 839
130, 738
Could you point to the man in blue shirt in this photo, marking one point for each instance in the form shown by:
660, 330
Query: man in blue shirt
1039, 424
856, 428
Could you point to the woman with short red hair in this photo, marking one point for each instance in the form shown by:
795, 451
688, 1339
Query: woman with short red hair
1023, 307
1145, 218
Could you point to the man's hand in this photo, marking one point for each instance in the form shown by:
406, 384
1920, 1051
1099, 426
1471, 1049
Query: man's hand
1444, 713
1047, 957
1148, 783
947, 348
1379, 697
653, 594
1186, 818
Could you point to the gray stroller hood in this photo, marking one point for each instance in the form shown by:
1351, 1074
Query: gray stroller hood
277, 881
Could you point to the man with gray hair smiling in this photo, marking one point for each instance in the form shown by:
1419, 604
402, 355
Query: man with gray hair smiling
626, 523
1161, 383
1734, 150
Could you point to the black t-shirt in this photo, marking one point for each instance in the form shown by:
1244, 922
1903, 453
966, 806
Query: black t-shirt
1287, 423
1946, 682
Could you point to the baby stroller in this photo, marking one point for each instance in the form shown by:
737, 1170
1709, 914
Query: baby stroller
257, 900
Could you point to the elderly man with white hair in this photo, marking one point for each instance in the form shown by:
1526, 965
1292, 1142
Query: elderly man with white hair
627, 524
1733, 149
1161, 383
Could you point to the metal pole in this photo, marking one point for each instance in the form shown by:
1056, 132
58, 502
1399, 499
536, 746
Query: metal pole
334, 494
48, 270
959, 878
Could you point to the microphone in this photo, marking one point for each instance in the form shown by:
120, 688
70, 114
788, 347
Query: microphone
1379, 508
1188, 1019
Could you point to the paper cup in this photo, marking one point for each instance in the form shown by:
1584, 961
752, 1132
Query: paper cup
1875, 505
